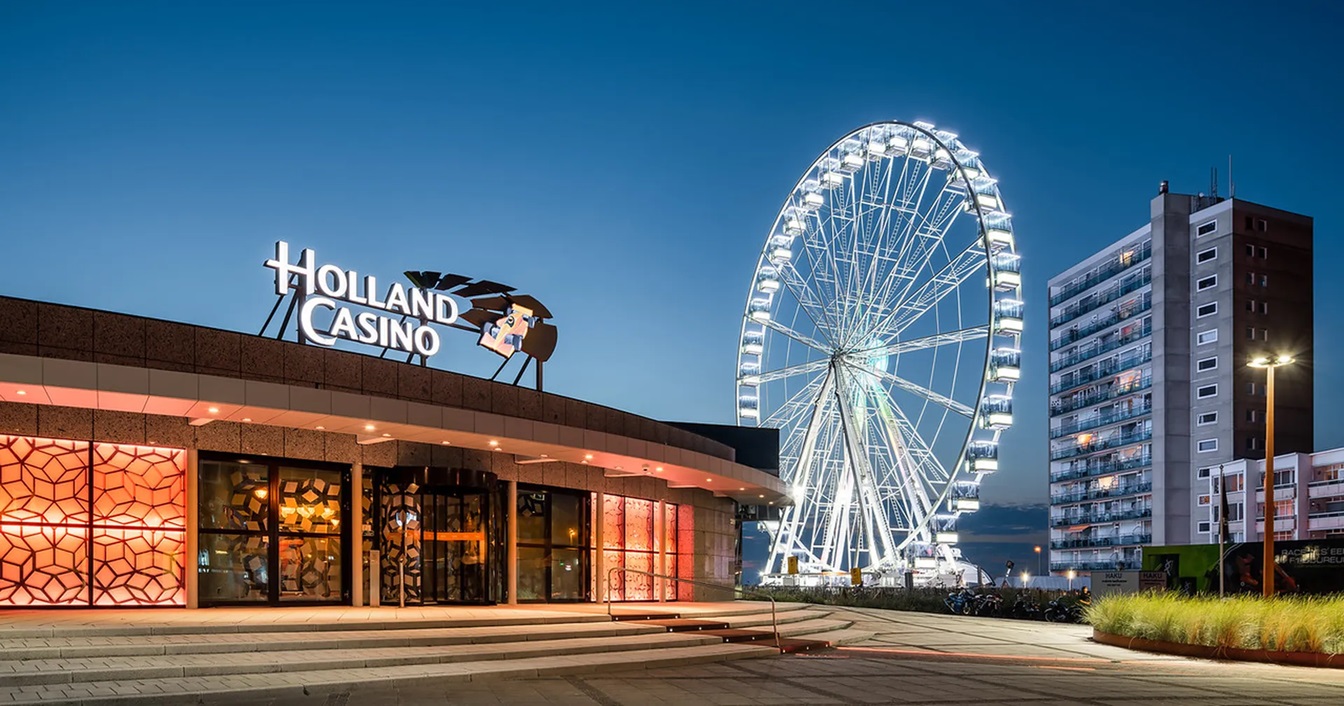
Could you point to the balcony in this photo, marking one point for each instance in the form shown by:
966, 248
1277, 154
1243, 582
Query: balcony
1092, 518
1103, 369
1119, 540
1101, 468
1075, 334
1321, 521
1097, 493
1087, 400
1325, 489
1092, 447
1101, 420
1093, 565
1094, 351
1101, 299
1105, 272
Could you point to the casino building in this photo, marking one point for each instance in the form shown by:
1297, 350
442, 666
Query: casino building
154, 463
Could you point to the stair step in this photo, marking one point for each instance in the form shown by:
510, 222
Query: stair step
688, 624
810, 627
783, 617
106, 646
741, 635
293, 685
794, 645
57, 671
847, 636
624, 615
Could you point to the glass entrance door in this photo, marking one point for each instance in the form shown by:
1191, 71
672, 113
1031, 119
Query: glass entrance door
453, 545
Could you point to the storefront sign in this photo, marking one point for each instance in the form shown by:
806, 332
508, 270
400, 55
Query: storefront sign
395, 317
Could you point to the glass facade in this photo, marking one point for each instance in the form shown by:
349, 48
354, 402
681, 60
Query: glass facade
271, 532
554, 545
635, 537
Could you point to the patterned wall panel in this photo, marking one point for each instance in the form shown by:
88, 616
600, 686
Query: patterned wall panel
43, 480
631, 539
400, 541
55, 495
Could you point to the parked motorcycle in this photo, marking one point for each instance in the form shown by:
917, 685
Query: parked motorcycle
1026, 609
960, 602
1061, 611
987, 605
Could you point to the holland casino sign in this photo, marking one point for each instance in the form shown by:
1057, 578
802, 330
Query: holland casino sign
399, 319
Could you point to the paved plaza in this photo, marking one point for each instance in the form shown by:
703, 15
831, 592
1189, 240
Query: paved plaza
913, 658
575, 655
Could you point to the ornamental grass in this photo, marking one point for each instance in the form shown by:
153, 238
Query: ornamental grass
1283, 624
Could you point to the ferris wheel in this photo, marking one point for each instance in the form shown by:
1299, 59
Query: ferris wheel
881, 337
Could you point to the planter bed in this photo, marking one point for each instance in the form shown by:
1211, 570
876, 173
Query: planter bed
1301, 659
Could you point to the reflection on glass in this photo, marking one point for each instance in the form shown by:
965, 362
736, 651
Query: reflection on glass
233, 567
568, 570
531, 574
310, 500
567, 525
310, 568
233, 496
532, 516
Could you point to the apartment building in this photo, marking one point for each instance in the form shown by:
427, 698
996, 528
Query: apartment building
1149, 387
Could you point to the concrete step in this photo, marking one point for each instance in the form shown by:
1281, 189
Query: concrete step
282, 685
784, 617
807, 628
688, 625
91, 669
102, 645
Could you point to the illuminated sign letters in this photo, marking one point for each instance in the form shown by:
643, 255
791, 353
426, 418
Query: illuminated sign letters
330, 289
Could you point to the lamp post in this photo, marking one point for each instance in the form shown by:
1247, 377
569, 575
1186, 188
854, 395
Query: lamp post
1071, 575
1038, 560
1269, 363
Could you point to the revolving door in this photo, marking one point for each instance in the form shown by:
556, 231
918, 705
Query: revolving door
440, 536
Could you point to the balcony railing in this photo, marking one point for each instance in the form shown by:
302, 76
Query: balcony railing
1075, 334
1101, 468
1099, 517
1101, 299
1102, 274
1103, 369
1096, 493
1325, 488
1093, 565
1103, 349
1320, 521
1114, 541
1101, 420
1080, 401
1101, 444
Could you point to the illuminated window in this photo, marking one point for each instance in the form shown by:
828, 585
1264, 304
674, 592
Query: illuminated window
1206, 337
1207, 445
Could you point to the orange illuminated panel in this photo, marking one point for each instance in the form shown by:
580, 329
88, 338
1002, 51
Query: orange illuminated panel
57, 495
633, 539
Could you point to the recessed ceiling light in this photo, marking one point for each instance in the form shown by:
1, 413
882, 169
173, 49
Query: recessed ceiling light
659, 469
772, 502
214, 410
545, 456
445, 443
760, 496
320, 427
387, 435
741, 488
494, 443
709, 480
21, 393
588, 457
247, 419
368, 427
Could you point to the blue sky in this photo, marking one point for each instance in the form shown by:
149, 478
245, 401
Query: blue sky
623, 162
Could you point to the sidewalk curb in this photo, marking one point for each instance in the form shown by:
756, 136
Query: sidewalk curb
1299, 659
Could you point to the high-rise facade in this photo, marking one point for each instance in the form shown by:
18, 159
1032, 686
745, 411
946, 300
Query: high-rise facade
1149, 387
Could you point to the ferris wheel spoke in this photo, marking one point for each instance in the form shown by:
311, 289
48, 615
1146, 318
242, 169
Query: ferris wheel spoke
916, 389
947, 280
876, 522
796, 336
793, 370
972, 333
807, 300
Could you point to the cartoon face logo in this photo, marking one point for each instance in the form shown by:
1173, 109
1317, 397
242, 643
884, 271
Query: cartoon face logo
505, 335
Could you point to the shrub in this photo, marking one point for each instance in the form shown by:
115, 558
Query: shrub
1312, 624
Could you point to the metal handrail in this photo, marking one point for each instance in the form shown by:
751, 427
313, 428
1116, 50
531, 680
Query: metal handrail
774, 619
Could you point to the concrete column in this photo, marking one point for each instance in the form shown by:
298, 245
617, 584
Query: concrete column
355, 523
191, 566
599, 556
511, 570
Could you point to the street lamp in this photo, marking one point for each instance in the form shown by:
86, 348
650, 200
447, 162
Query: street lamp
1038, 560
1071, 574
1025, 578
1269, 363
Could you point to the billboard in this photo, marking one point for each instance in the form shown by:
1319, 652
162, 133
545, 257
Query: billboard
1309, 567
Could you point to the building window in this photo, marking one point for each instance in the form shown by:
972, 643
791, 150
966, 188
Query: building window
1262, 253
1205, 337
1250, 305
1207, 283
1253, 416
1252, 443
1264, 280
1206, 310
1206, 228
1207, 364
1257, 279
1204, 472
1204, 527
1206, 255
1207, 391
1261, 225
1207, 418
1264, 307
1207, 445
1203, 500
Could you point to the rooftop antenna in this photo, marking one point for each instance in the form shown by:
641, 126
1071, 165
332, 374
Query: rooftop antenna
1231, 183
1213, 183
